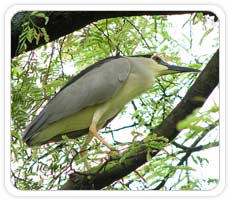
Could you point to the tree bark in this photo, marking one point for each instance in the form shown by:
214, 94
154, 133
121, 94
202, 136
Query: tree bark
114, 169
62, 23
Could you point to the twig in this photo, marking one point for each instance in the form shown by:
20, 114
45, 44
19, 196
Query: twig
121, 128
107, 36
45, 79
138, 31
60, 56
189, 151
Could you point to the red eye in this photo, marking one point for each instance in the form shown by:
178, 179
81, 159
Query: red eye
156, 58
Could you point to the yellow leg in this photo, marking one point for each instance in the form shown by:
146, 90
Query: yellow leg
93, 127
93, 133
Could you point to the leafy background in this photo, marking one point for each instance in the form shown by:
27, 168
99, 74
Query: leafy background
188, 40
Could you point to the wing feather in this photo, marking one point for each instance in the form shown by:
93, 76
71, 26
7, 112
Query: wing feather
94, 87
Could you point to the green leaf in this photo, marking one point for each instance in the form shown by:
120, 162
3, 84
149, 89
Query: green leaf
195, 65
42, 15
205, 35
194, 159
185, 167
188, 121
46, 36
34, 13
25, 24
30, 35
210, 180
37, 38
148, 155
214, 108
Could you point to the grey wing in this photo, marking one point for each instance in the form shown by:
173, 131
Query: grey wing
95, 87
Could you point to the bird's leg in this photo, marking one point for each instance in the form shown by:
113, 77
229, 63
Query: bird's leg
93, 133
93, 127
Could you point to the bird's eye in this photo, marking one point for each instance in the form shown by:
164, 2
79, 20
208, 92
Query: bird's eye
156, 58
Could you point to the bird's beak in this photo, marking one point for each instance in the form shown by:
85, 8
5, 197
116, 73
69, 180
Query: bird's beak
176, 69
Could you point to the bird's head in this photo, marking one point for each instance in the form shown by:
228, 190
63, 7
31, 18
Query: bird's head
163, 68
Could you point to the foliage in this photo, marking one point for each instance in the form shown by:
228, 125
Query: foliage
38, 75
31, 31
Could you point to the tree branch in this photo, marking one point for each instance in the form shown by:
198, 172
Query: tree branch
188, 153
115, 169
62, 23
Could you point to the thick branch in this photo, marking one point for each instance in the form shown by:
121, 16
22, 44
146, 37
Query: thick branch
113, 170
62, 23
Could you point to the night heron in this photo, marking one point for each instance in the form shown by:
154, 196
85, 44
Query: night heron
91, 99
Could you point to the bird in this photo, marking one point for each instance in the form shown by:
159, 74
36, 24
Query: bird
93, 98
